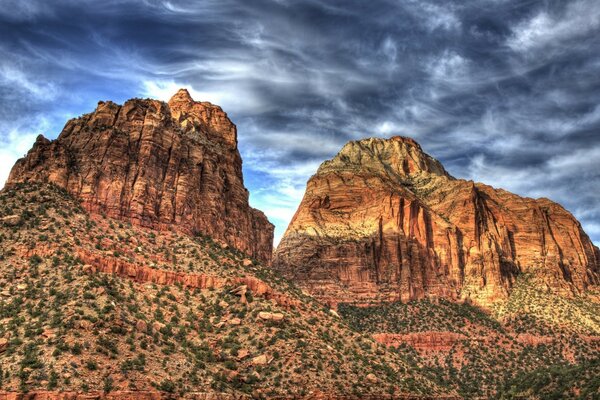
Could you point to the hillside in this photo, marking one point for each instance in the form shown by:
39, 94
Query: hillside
481, 354
90, 303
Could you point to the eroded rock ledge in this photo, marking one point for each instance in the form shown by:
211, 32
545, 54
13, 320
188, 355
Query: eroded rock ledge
142, 274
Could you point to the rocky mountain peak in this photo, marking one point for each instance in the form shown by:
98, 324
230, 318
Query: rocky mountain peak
396, 157
157, 165
202, 119
182, 96
383, 221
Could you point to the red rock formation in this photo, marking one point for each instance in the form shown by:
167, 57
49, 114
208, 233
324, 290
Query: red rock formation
384, 221
424, 341
142, 273
157, 165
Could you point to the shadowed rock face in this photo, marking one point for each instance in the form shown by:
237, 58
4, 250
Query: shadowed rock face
158, 165
384, 221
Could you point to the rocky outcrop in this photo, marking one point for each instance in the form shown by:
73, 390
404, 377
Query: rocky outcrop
383, 221
424, 341
157, 165
142, 273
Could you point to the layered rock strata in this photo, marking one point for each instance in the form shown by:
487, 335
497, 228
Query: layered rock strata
384, 221
155, 164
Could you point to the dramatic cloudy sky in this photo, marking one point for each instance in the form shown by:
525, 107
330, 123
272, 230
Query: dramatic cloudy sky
505, 92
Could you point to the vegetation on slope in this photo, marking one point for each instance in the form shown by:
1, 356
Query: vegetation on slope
65, 327
420, 316
489, 357
561, 381
532, 309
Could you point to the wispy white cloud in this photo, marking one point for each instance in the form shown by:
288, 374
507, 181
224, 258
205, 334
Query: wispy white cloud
436, 16
501, 91
448, 66
14, 78
580, 17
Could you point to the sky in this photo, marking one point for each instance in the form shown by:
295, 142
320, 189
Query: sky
502, 92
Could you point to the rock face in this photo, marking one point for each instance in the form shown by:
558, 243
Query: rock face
383, 221
158, 165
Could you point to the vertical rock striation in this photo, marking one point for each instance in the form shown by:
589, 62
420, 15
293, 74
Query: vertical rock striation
383, 221
155, 164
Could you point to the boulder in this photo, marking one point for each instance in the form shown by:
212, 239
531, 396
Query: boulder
3, 344
11, 220
260, 360
141, 325
269, 316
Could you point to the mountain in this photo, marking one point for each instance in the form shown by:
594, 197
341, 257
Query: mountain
155, 164
132, 268
384, 221
488, 294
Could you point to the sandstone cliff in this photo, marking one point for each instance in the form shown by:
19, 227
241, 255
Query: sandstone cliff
157, 165
383, 221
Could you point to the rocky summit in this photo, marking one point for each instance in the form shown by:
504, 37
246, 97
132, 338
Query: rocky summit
384, 221
155, 164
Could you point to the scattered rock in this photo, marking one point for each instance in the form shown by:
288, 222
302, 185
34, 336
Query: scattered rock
235, 321
247, 262
157, 326
141, 325
232, 375
11, 220
88, 269
372, 378
243, 353
3, 344
84, 324
260, 360
21, 286
268, 316
49, 333
241, 291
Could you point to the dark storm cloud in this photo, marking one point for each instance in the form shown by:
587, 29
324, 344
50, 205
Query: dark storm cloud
504, 92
